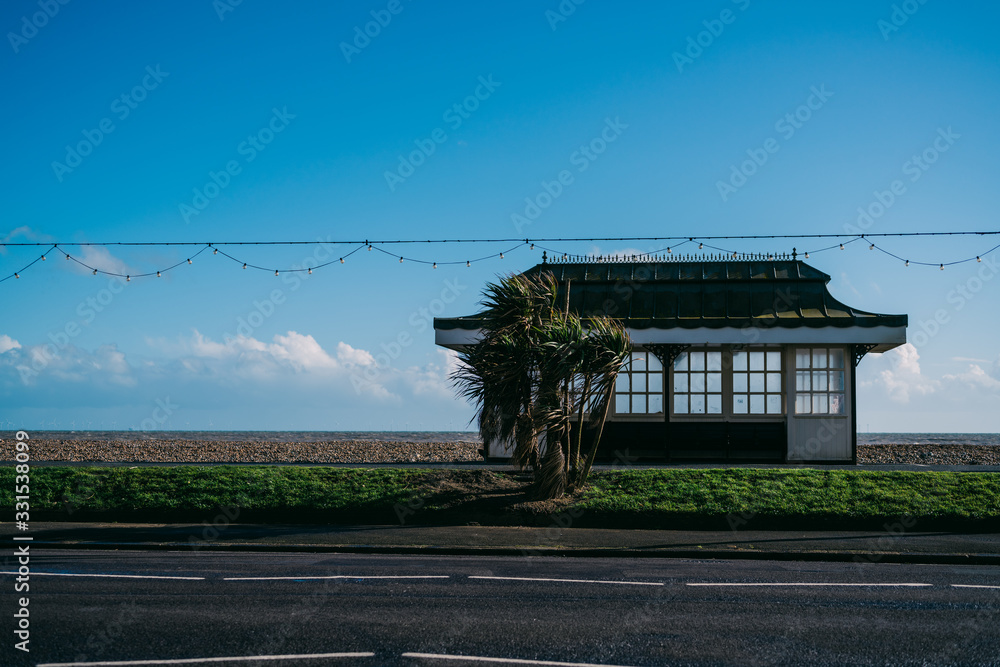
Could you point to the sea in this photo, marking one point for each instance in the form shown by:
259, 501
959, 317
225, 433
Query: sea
992, 439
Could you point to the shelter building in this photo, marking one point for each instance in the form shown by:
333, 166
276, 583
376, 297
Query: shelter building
748, 359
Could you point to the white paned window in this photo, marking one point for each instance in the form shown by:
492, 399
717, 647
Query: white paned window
819, 381
697, 377
639, 387
727, 383
757, 386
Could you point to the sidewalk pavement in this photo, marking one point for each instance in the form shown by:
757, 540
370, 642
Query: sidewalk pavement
895, 544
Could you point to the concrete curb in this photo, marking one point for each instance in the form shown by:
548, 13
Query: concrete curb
557, 552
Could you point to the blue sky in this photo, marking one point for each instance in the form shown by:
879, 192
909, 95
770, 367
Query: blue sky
213, 122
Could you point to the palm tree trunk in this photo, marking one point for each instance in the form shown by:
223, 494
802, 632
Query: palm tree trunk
550, 481
585, 473
574, 462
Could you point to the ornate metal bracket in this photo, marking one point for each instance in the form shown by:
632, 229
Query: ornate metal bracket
860, 350
667, 353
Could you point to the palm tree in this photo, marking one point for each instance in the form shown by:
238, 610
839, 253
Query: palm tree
535, 370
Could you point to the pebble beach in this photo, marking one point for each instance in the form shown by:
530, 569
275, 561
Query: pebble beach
166, 450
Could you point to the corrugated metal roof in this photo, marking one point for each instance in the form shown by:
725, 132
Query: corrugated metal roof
690, 295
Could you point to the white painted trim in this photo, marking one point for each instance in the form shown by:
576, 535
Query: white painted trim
886, 338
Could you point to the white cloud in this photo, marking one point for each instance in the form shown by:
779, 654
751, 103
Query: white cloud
22, 231
302, 353
31, 365
354, 356
291, 379
99, 258
904, 379
432, 379
246, 357
978, 379
8, 343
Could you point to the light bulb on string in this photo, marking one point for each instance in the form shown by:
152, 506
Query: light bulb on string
16, 275
95, 272
341, 260
532, 247
978, 259
157, 274
215, 251
907, 263
807, 255
871, 247
310, 272
841, 246
700, 246
435, 265
43, 258
942, 267
468, 264
244, 265
67, 256
128, 279
369, 247
501, 255
669, 251
400, 260
276, 272
189, 260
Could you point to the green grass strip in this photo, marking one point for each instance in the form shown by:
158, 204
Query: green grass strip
206, 488
658, 498
775, 493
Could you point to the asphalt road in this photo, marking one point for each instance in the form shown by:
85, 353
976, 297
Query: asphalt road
385, 610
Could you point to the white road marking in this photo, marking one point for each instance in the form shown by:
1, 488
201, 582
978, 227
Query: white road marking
506, 661
798, 584
575, 581
114, 576
972, 586
196, 661
340, 576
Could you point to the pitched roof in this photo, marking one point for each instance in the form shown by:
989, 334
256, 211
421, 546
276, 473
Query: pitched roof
695, 294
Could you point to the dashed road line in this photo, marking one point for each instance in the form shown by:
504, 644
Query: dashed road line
340, 576
505, 661
972, 586
113, 576
574, 581
778, 583
202, 661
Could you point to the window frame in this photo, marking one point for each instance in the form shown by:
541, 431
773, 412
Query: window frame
614, 415
846, 390
728, 413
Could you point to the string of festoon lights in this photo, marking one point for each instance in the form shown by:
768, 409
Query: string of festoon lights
666, 253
